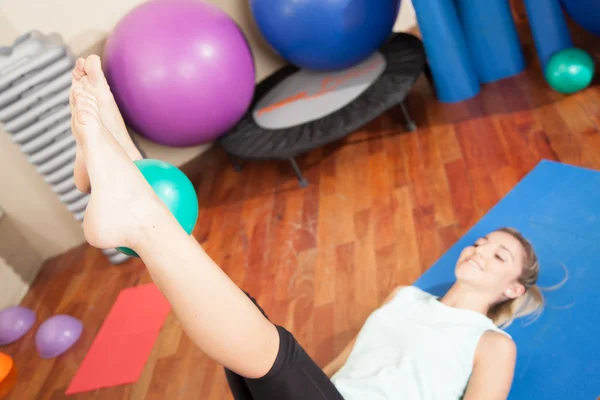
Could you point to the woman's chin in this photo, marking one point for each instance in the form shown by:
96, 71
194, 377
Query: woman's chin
466, 273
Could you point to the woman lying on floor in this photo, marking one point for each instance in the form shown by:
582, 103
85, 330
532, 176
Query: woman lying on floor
415, 346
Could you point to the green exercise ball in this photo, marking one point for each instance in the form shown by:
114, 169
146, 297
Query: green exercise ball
570, 70
174, 189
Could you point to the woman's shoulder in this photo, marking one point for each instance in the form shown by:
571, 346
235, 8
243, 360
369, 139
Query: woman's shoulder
496, 348
496, 341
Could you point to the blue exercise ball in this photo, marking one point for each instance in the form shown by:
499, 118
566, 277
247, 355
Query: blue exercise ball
325, 35
585, 12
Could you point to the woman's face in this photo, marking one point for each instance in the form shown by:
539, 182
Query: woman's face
493, 264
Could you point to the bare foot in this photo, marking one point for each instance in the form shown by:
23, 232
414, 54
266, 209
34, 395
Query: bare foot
122, 201
88, 75
80, 174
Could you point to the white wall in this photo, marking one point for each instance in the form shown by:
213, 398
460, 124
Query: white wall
19, 263
12, 287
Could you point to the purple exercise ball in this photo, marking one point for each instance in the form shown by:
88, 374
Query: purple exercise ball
15, 322
57, 334
181, 71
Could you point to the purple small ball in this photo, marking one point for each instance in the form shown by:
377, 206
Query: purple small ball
15, 322
57, 334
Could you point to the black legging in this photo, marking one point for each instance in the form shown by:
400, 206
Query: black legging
294, 376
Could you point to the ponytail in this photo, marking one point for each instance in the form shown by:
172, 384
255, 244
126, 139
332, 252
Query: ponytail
531, 303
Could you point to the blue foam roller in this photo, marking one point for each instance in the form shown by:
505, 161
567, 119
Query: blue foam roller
549, 28
557, 207
447, 52
492, 37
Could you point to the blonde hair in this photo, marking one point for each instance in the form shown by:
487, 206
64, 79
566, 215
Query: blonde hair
529, 303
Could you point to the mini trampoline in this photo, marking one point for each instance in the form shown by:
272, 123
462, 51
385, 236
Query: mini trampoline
295, 110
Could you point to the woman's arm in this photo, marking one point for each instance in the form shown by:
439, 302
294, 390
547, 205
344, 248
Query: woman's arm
493, 368
338, 362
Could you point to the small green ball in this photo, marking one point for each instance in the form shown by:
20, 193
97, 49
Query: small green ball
174, 189
570, 70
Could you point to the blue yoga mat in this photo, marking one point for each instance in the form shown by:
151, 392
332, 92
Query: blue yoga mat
557, 207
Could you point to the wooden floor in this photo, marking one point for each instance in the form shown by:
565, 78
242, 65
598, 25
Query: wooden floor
381, 207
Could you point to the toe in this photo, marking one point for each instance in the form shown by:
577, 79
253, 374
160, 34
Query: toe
76, 86
76, 83
75, 89
93, 69
78, 70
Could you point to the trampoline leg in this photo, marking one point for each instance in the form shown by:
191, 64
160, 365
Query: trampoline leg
410, 124
235, 164
301, 179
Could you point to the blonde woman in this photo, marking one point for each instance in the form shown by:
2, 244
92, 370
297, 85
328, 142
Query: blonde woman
415, 346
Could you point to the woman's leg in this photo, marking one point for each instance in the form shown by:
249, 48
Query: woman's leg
294, 375
215, 313
238, 386
124, 211
219, 318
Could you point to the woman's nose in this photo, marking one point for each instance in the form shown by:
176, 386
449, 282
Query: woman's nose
483, 250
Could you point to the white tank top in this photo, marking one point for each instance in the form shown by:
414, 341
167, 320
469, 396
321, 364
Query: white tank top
413, 347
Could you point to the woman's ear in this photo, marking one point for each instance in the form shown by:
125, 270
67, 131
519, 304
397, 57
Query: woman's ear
514, 290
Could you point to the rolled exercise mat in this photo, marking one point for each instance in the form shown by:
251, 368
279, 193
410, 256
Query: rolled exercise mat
449, 58
549, 28
491, 35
